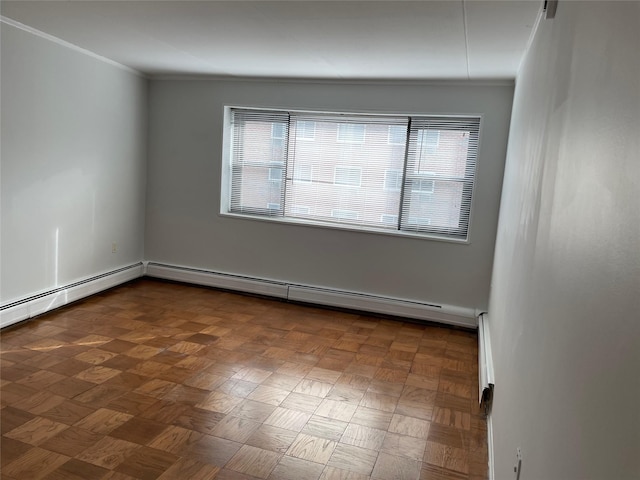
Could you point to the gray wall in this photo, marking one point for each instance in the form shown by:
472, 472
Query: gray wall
564, 305
183, 225
73, 165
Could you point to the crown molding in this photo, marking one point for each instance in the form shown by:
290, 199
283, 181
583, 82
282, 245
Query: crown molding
71, 46
447, 82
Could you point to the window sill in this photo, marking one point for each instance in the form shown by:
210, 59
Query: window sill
348, 228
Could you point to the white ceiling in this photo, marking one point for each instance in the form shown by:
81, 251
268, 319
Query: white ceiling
452, 39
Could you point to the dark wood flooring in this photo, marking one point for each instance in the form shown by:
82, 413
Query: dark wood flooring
160, 380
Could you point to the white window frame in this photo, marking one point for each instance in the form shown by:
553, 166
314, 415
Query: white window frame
274, 168
303, 133
390, 135
343, 214
351, 168
300, 210
273, 129
469, 125
428, 145
298, 178
398, 181
419, 221
347, 136
421, 182
389, 219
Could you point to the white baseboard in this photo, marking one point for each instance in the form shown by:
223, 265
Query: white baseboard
389, 306
218, 280
486, 377
486, 381
492, 471
44, 302
465, 317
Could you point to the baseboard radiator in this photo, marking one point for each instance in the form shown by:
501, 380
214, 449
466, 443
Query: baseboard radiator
464, 317
486, 379
43, 302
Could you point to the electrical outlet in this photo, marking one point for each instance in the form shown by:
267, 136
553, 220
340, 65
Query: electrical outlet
114, 247
518, 466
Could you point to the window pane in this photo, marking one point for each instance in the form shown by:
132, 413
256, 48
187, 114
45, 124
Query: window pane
302, 172
275, 174
422, 185
428, 141
345, 214
306, 130
439, 177
257, 163
389, 219
346, 176
355, 169
300, 210
351, 132
397, 135
393, 179
442, 206
277, 131
442, 153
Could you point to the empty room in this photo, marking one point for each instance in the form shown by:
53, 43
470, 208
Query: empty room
386, 240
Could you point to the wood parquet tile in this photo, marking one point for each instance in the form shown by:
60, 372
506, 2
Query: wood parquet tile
156, 380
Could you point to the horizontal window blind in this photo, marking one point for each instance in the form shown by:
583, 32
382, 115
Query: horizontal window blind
378, 172
439, 175
259, 141
345, 167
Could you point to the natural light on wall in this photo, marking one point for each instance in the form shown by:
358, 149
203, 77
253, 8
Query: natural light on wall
403, 174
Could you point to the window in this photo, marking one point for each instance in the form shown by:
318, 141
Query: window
422, 188
303, 173
397, 135
422, 185
351, 133
277, 138
344, 214
306, 130
390, 219
345, 175
277, 131
428, 141
425, 222
275, 174
300, 210
392, 179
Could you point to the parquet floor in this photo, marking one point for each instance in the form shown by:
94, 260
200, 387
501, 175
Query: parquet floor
158, 380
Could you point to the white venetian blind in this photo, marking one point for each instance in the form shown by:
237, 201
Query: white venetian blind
258, 157
439, 175
376, 172
338, 167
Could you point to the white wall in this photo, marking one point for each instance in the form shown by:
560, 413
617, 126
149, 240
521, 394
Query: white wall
183, 197
73, 165
565, 299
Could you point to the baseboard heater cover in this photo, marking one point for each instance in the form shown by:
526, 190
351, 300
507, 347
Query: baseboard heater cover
218, 280
492, 470
389, 306
38, 304
464, 317
486, 378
